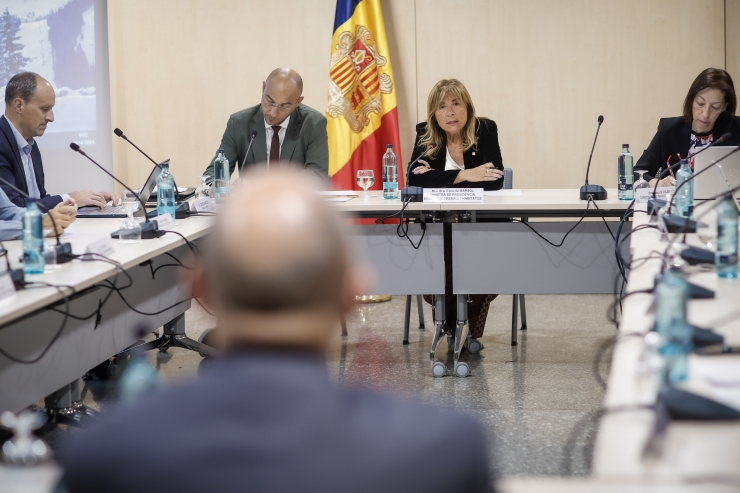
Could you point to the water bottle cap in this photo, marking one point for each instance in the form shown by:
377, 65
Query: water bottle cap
625, 145
389, 146
220, 150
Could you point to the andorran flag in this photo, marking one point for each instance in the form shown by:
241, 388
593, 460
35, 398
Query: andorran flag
362, 115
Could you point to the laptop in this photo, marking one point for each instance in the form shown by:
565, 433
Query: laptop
716, 180
116, 211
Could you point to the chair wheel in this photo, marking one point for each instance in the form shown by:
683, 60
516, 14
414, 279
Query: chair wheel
462, 370
438, 369
474, 346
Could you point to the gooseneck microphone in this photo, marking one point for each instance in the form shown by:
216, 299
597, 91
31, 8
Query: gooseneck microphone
597, 192
120, 134
414, 194
252, 136
149, 229
63, 250
726, 136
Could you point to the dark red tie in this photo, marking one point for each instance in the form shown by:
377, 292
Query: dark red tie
275, 146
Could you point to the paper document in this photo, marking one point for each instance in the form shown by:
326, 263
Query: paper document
339, 199
338, 193
502, 193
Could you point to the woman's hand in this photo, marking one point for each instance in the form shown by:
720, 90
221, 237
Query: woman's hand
485, 172
668, 181
420, 170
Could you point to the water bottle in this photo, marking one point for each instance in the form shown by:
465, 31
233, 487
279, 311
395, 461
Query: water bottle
221, 179
33, 240
672, 294
390, 174
138, 379
166, 192
725, 259
626, 174
685, 196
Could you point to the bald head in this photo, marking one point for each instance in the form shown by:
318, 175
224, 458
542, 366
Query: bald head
281, 95
284, 74
277, 246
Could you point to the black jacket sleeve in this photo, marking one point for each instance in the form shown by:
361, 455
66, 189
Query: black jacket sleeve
650, 160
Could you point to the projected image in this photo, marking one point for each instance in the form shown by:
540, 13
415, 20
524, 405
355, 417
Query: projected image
55, 39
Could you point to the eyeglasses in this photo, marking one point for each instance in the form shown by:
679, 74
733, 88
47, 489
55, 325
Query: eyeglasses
280, 107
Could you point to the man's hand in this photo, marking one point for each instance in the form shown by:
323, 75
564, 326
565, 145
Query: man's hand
97, 199
63, 214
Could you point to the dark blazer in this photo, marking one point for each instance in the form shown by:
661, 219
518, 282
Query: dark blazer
275, 422
674, 137
11, 169
306, 142
486, 151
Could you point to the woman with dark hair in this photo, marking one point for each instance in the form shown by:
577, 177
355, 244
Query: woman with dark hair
708, 113
466, 155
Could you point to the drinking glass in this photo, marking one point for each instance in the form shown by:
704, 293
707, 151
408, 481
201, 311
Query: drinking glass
130, 230
641, 182
365, 180
204, 189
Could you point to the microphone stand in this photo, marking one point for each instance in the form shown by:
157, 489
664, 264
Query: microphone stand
597, 192
149, 229
414, 194
63, 250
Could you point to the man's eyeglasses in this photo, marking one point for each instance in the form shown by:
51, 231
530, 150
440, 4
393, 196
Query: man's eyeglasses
272, 104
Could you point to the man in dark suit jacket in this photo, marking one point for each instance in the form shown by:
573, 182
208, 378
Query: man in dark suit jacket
267, 417
29, 103
300, 139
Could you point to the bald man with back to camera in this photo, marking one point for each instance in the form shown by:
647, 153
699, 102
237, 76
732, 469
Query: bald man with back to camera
266, 416
286, 132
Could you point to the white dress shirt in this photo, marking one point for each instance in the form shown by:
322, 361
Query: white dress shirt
281, 136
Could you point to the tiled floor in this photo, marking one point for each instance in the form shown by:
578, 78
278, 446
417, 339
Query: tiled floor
536, 400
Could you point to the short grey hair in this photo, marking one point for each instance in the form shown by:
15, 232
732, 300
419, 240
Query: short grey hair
21, 85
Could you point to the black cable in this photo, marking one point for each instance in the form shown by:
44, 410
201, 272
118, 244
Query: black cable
58, 333
402, 230
193, 248
588, 204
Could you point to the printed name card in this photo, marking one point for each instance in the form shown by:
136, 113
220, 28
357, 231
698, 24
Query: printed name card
7, 288
465, 195
644, 194
103, 246
165, 222
204, 204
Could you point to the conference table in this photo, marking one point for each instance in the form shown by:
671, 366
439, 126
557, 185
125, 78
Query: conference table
500, 257
702, 454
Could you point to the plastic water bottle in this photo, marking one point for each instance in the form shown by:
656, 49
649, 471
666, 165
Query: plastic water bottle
725, 259
221, 178
626, 174
166, 192
138, 379
390, 174
33, 240
670, 323
685, 196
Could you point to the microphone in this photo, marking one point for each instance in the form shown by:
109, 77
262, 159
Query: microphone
726, 136
149, 229
63, 250
597, 192
253, 135
120, 134
656, 204
682, 224
414, 194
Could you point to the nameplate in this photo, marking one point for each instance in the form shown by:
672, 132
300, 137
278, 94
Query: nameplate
165, 222
464, 195
644, 194
203, 204
7, 288
103, 246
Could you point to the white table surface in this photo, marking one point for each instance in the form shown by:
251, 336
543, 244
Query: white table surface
693, 451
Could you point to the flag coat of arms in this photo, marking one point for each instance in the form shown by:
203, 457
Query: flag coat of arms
362, 114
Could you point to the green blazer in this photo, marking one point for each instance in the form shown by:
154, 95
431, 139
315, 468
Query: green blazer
305, 142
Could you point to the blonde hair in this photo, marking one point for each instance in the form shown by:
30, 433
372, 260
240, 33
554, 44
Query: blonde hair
434, 133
